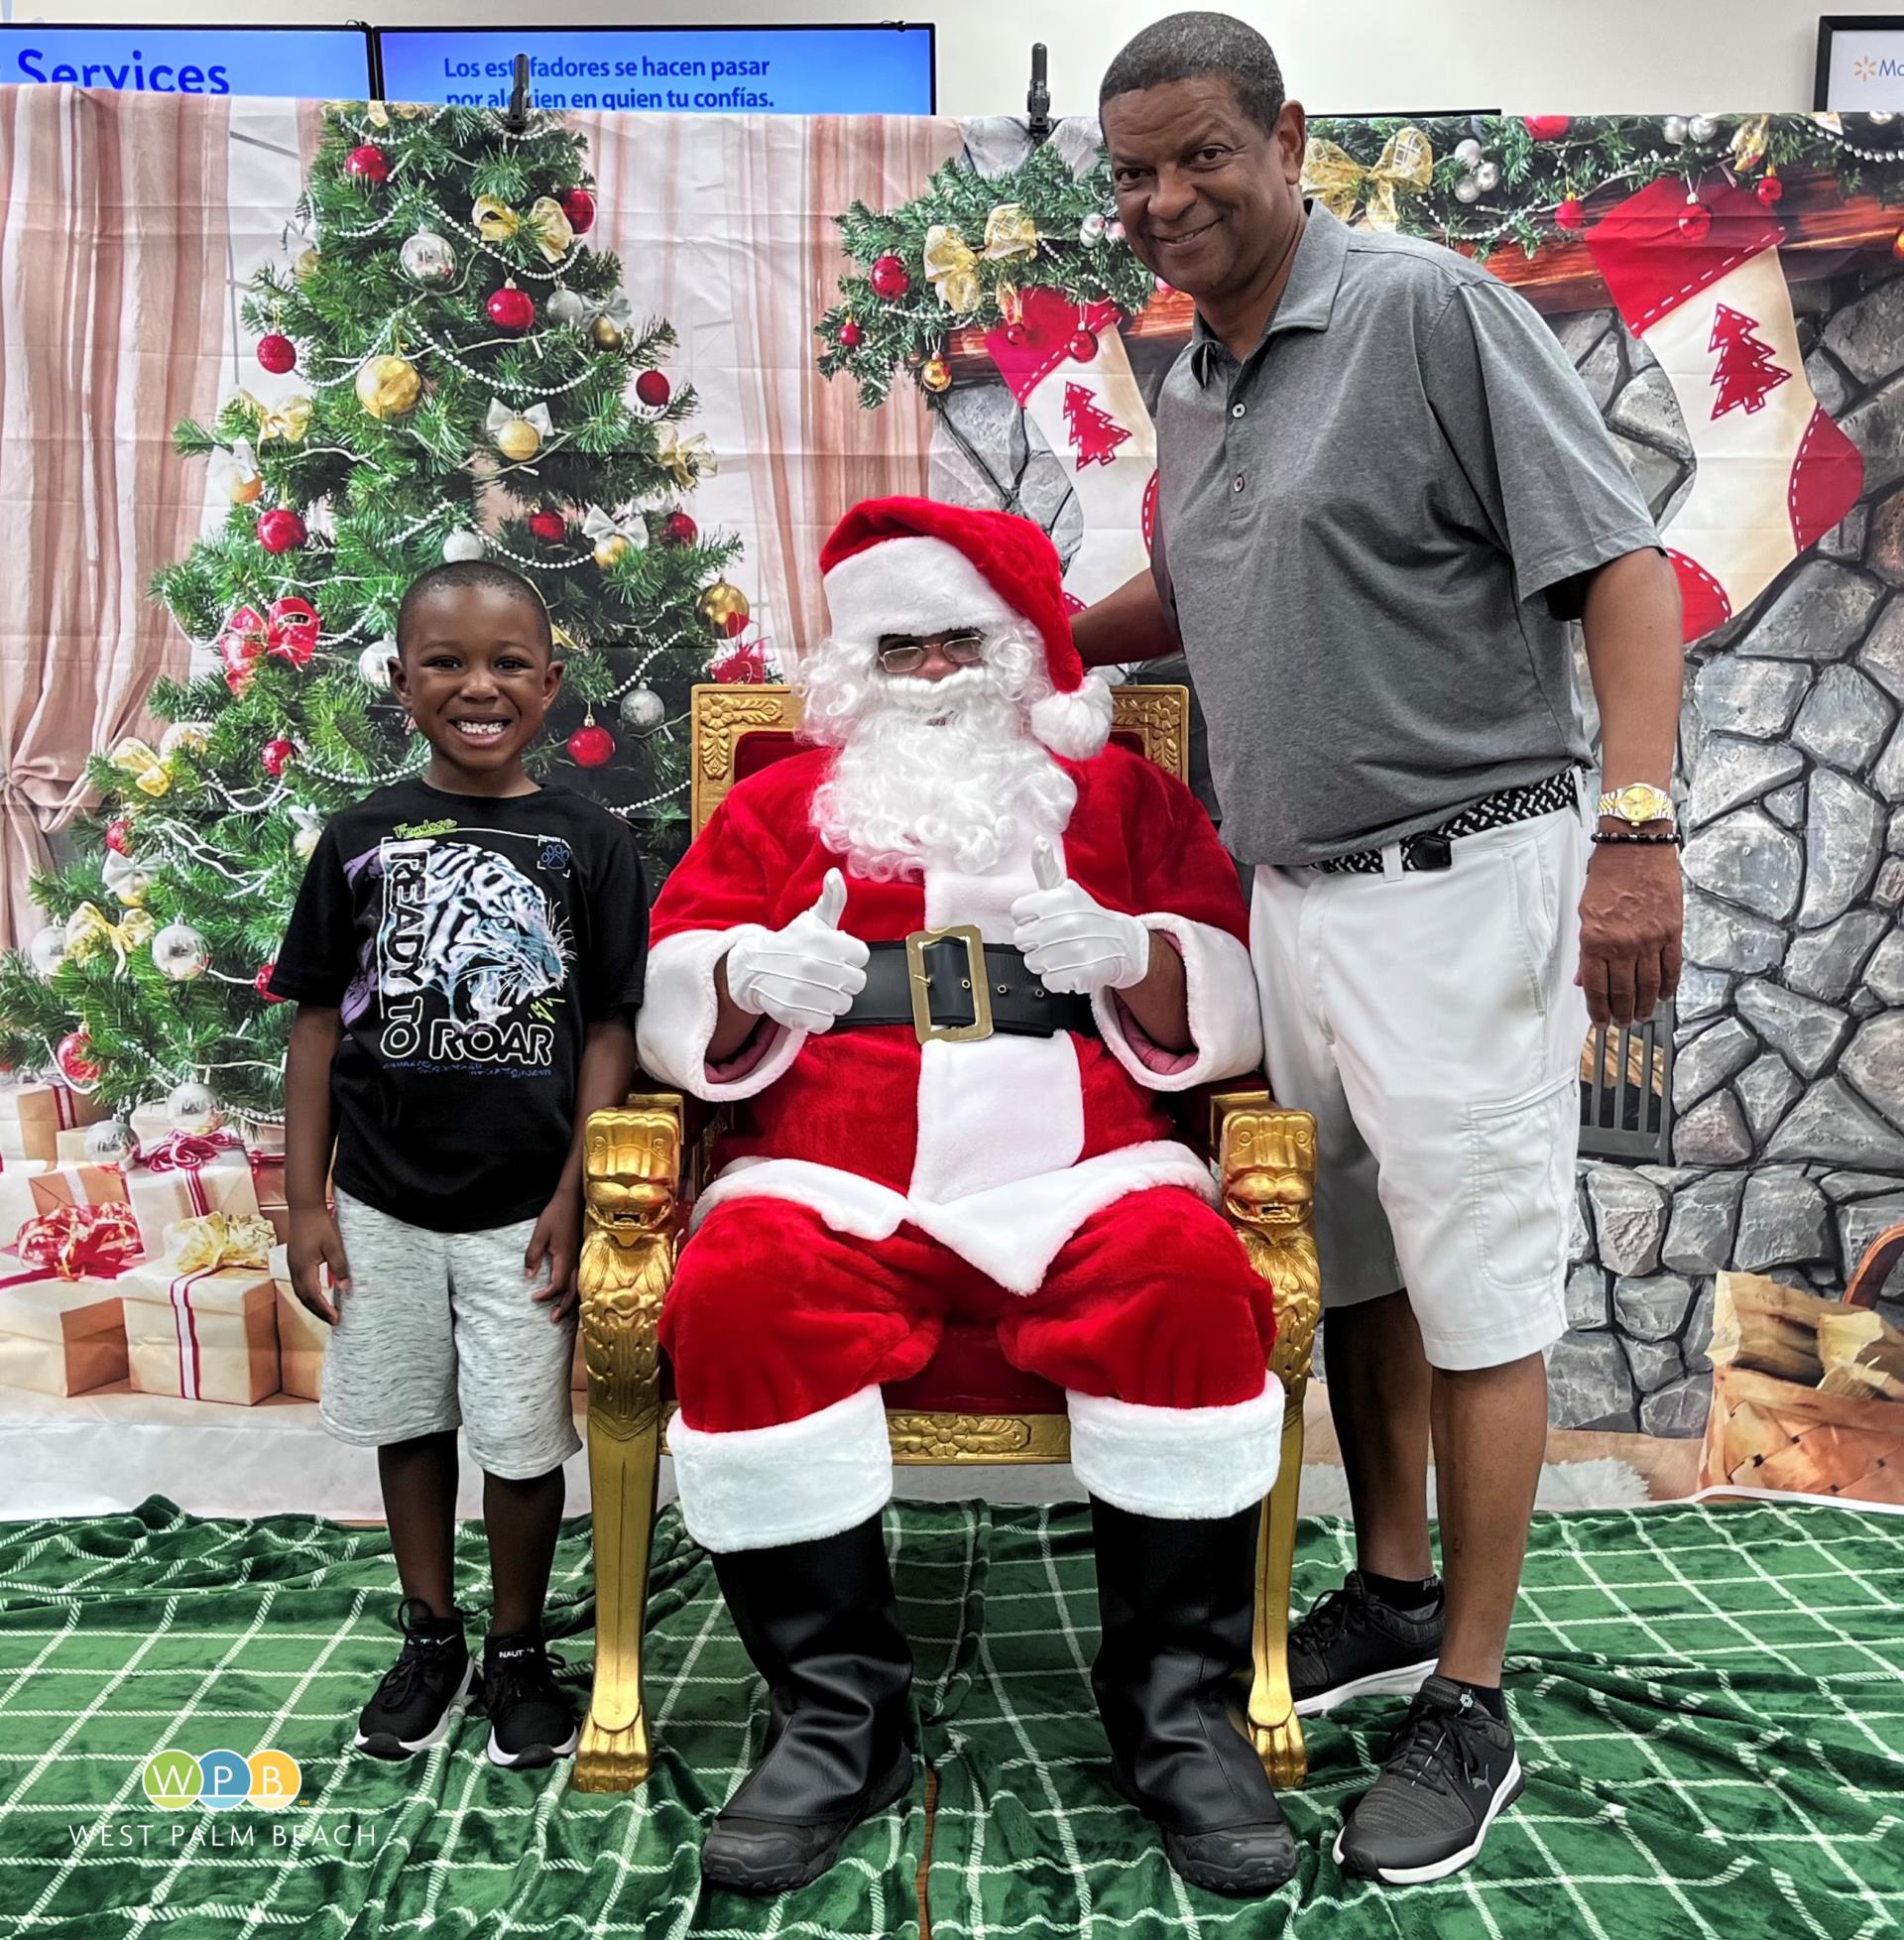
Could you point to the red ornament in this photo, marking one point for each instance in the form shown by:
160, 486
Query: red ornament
277, 353
890, 278
591, 744
654, 389
1768, 189
742, 666
368, 162
280, 529
1694, 220
549, 526
682, 530
1083, 347
276, 756
262, 983
579, 206
1547, 127
1015, 335
119, 836
1571, 215
73, 1056
512, 310
850, 335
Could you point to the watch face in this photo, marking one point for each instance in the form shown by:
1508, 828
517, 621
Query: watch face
1640, 802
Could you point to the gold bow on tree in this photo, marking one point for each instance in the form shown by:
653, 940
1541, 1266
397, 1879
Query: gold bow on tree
144, 763
1010, 232
288, 420
686, 458
219, 1238
548, 225
952, 269
1341, 184
89, 929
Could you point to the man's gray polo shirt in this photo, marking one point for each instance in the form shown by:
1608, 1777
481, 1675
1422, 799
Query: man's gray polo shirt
1366, 533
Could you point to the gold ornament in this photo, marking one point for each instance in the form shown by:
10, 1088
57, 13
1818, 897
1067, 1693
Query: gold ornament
89, 929
614, 538
388, 387
688, 460
611, 551
1750, 141
186, 737
376, 114
604, 333
288, 420
237, 471
144, 763
952, 269
1010, 232
935, 374
519, 434
307, 265
1341, 184
723, 607
548, 225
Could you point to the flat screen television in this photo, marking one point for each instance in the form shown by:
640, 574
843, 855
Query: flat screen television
311, 62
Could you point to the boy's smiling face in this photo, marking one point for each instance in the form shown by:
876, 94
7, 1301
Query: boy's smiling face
477, 673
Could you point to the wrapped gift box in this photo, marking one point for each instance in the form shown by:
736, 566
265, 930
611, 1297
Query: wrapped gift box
54, 1186
31, 1117
268, 1181
208, 1336
302, 1336
17, 1203
59, 1336
182, 1176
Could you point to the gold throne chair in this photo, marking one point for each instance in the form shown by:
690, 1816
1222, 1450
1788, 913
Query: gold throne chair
970, 1406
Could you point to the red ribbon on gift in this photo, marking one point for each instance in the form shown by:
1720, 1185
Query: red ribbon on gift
188, 1153
184, 1322
76, 1241
287, 630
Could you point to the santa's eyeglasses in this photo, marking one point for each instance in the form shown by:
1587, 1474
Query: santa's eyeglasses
901, 653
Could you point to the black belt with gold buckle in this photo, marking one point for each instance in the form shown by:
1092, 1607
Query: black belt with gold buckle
954, 988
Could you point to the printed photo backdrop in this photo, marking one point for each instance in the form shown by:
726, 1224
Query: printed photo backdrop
267, 360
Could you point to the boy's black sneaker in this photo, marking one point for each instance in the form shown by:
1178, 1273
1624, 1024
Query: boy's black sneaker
531, 1722
411, 1710
1352, 1644
1449, 1774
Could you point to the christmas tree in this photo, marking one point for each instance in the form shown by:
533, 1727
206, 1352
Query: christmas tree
1745, 374
468, 383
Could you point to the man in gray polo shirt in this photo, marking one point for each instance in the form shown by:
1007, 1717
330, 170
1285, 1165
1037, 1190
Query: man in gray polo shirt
1384, 496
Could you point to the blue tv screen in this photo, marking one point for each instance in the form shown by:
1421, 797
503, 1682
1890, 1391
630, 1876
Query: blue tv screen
316, 63
883, 69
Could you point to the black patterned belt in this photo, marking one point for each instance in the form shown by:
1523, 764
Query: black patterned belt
1430, 849
951, 985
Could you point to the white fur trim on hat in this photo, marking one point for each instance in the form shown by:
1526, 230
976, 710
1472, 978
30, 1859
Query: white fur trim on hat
1075, 726
911, 585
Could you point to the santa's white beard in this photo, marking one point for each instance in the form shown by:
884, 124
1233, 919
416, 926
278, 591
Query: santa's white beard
942, 771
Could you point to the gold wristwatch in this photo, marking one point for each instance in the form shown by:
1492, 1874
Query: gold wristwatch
1638, 802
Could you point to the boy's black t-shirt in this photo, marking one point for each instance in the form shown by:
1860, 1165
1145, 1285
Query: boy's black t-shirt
468, 941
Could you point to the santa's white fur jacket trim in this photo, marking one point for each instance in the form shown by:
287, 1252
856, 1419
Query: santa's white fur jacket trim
1182, 1463
680, 1011
760, 1488
1225, 1022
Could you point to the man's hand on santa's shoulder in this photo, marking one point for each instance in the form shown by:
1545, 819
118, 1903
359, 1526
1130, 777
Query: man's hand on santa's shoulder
805, 975
1073, 944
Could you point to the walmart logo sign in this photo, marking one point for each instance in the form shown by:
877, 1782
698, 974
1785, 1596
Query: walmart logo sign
175, 1779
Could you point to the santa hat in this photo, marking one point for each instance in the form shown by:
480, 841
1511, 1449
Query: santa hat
914, 566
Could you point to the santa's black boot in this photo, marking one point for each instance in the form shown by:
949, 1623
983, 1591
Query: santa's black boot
1171, 1679
820, 1622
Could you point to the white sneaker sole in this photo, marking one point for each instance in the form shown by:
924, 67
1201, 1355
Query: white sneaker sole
411, 1745
1415, 1875
533, 1754
1404, 1682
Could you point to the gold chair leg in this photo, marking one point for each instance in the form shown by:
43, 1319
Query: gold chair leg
632, 1164
1274, 1728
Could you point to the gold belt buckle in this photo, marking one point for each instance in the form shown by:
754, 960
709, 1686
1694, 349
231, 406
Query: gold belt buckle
919, 983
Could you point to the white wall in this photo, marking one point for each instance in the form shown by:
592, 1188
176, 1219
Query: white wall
1611, 56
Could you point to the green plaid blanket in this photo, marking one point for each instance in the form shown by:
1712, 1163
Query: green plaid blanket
1710, 1706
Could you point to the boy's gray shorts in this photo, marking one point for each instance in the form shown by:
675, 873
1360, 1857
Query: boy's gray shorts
440, 1330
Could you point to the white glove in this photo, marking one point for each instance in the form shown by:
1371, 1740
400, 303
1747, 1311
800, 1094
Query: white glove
1069, 940
803, 975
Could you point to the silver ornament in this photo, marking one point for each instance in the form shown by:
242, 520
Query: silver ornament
373, 664
1488, 178
426, 258
108, 1142
1468, 153
463, 545
190, 1107
1702, 128
1675, 130
642, 710
181, 952
1090, 230
1880, 117
185, 735
47, 950
1468, 189
569, 307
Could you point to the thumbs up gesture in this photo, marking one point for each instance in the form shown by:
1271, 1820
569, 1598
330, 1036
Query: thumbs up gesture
805, 974
1069, 940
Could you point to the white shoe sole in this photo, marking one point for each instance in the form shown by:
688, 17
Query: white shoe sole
1404, 1682
533, 1754
1415, 1875
411, 1745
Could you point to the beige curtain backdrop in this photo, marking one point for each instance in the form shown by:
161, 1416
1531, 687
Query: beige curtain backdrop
112, 283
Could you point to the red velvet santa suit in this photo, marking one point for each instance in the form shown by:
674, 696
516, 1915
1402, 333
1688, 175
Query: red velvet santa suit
870, 1183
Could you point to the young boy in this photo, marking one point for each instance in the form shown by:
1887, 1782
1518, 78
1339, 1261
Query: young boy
466, 956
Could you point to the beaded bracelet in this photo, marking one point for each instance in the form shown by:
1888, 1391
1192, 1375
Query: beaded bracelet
1673, 836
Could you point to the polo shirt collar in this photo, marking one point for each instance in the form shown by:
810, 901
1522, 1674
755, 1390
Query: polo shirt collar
1309, 296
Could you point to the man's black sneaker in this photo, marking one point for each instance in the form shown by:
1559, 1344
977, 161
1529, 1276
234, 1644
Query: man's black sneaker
1352, 1644
1448, 1774
412, 1707
531, 1722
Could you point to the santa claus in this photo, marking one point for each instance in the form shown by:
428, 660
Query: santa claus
943, 962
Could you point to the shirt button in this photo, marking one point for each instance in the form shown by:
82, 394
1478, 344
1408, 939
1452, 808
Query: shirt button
1235, 484
1237, 410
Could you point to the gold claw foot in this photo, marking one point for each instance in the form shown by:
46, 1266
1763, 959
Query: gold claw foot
612, 1760
1280, 1748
